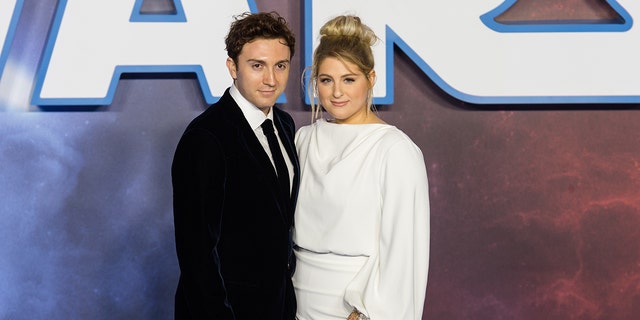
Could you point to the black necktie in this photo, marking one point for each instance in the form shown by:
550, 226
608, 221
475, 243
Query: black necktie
278, 159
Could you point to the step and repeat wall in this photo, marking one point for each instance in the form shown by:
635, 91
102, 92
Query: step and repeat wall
526, 113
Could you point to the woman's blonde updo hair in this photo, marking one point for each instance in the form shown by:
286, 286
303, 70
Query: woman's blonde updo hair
349, 40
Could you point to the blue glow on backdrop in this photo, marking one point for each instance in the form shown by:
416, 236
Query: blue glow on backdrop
529, 205
86, 224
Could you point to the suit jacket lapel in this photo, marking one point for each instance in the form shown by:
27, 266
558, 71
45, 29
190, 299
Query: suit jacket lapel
289, 145
254, 149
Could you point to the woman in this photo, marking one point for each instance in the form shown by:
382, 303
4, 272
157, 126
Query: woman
362, 220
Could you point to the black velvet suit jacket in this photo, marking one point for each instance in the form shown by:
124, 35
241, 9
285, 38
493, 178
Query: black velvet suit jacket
232, 228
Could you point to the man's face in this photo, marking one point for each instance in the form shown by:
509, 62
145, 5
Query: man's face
262, 71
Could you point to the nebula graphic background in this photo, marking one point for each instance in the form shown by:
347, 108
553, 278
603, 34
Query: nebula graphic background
534, 208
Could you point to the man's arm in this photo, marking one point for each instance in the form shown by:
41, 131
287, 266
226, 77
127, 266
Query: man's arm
198, 173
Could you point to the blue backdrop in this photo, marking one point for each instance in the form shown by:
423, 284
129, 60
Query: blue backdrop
534, 208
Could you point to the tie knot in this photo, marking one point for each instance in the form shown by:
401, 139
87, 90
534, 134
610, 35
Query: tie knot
267, 126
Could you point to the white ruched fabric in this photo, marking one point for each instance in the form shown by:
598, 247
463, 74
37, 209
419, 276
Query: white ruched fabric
363, 212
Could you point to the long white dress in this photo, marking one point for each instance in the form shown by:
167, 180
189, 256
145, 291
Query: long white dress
361, 223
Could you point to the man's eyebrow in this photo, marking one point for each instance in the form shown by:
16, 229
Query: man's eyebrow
264, 62
256, 61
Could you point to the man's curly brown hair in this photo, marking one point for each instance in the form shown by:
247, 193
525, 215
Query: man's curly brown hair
250, 26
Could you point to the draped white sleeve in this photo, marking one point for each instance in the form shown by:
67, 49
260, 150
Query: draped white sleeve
392, 283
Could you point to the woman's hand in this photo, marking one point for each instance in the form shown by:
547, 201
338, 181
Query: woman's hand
356, 315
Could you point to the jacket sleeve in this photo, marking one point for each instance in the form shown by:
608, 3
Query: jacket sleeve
198, 175
393, 281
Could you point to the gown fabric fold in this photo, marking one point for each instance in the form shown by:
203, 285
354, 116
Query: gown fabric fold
361, 223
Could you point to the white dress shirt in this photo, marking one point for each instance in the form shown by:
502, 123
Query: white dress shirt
256, 117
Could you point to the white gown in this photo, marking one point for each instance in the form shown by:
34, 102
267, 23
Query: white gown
361, 222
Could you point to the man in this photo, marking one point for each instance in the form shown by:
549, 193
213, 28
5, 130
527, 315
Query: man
233, 210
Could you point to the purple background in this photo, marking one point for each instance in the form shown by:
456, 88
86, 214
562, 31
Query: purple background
534, 208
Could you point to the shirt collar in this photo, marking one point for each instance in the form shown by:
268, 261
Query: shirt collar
254, 116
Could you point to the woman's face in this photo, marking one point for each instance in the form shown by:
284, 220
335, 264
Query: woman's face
343, 90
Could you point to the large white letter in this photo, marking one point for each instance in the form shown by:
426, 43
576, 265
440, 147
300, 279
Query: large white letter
476, 62
9, 14
92, 42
